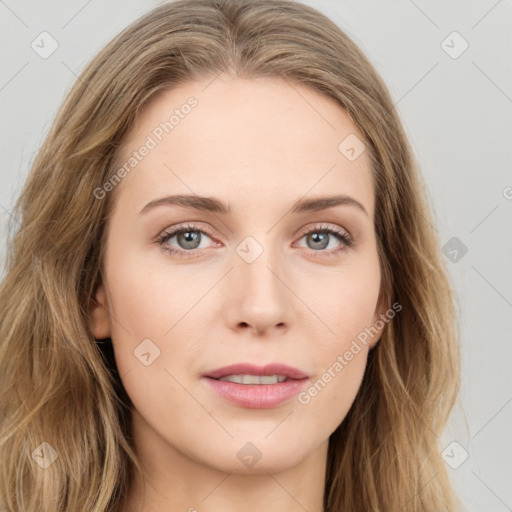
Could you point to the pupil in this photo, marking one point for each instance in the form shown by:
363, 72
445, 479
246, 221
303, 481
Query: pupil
321, 238
190, 237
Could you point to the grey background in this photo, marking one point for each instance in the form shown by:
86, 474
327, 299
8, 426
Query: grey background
458, 116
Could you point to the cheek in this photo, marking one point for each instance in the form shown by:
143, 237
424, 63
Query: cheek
326, 401
147, 299
149, 310
154, 308
346, 305
340, 364
343, 302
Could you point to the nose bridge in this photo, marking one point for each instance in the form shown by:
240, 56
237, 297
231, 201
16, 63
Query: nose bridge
259, 296
257, 263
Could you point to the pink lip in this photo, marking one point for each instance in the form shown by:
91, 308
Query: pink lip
251, 369
257, 396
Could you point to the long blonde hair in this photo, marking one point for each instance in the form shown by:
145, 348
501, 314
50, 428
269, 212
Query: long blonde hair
60, 386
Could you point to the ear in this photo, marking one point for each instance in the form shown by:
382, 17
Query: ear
98, 313
379, 317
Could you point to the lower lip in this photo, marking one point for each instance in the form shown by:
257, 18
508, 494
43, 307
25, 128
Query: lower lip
256, 396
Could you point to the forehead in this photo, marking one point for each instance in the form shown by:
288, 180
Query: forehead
251, 140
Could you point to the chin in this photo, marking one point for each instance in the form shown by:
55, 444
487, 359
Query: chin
258, 457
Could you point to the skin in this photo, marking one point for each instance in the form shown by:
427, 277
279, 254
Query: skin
259, 145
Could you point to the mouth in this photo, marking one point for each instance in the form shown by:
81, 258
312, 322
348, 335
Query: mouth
254, 379
256, 387
244, 373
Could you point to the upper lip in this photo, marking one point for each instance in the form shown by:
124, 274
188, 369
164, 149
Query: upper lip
251, 369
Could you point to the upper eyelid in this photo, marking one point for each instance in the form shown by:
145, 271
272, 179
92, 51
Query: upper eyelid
323, 225
199, 226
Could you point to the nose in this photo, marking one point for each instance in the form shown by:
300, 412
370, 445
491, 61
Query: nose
258, 297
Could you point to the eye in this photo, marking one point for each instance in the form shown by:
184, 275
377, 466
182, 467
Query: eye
189, 239
319, 238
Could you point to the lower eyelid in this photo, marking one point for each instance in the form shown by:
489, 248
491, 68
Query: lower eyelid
340, 236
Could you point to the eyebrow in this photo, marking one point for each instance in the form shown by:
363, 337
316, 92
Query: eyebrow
211, 204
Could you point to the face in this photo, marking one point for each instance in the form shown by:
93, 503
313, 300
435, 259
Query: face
258, 274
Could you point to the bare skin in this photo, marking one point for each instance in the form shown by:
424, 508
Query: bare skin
259, 146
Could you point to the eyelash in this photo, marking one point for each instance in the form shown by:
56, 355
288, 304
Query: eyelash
345, 238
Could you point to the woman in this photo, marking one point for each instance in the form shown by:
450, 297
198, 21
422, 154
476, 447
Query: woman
225, 291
